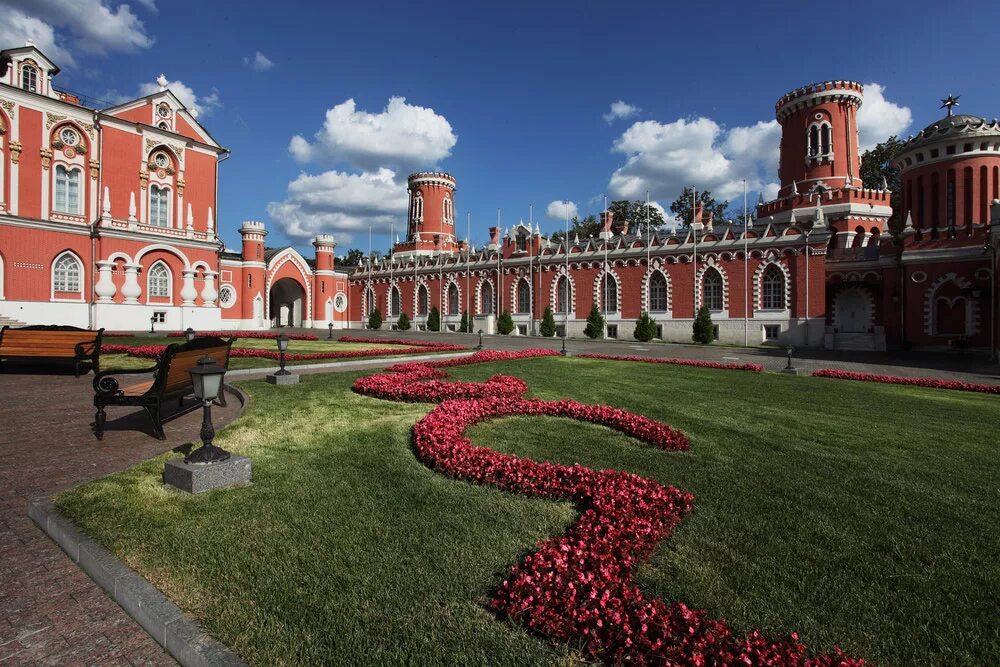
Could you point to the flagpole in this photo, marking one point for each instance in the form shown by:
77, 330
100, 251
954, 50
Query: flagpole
499, 289
468, 263
604, 296
566, 306
392, 230
694, 232
375, 301
746, 273
531, 271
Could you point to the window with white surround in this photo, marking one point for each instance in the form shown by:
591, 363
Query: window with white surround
523, 296
657, 293
453, 306
67, 273
67, 190
422, 299
486, 299
29, 78
159, 206
609, 293
158, 281
449, 213
772, 289
563, 295
712, 289
772, 331
394, 301
820, 143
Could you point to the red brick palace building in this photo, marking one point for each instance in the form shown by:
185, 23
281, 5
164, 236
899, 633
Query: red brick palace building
108, 218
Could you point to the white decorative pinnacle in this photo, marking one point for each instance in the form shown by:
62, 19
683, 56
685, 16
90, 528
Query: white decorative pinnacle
106, 206
131, 207
795, 188
820, 220
190, 222
211, 221
162, 82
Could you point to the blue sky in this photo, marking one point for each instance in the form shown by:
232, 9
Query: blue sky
512, 98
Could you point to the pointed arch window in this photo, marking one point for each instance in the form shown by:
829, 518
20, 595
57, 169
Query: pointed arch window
67, 190
66, 274
418, 207
657, 292
158, 281
523, 296
772, 289
422, 300
449, 213
453, 306
609, 293
394, 301
563, 303
370, 301
486, 299
159, 206
711, 285
814, 140
824, 137
29, 78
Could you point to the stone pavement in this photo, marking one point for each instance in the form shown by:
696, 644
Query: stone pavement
51, 613
967, 366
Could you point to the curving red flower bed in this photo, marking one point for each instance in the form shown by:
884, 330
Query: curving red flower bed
402, 341
244, 334
756, 368
579, 587
915, 382
154, 352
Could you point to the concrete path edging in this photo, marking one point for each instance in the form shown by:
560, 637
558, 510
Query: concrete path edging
335, 366
160, 617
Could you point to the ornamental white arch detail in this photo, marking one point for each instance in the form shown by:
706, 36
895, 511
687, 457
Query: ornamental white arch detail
711, 265
485, 280
599, 298
173, 250
657, 268
932, 323
554, 293
758, 278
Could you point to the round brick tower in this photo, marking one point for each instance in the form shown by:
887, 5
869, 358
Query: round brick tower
253, 234
430, 220
819, 137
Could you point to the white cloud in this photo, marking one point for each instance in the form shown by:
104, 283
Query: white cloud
259, 62
878, 118
665, 157
619, 111
403, 136
198, 105
558, 210
341, 203
93, 26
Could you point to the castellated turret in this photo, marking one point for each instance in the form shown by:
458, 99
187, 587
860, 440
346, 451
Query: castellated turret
430, 218
253, 234
819, 137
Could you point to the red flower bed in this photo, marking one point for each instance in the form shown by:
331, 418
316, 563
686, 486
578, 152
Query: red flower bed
154, 352
756, 368
915, 382
402, 341
580, 587
245, 334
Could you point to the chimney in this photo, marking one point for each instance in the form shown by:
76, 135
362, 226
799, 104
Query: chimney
607, 217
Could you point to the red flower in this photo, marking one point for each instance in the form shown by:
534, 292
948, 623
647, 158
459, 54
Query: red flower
916, 382
756, 368
580, 587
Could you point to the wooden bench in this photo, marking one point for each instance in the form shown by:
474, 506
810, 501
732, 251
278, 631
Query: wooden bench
37, 345
171, 381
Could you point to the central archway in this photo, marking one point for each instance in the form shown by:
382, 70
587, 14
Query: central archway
287, 299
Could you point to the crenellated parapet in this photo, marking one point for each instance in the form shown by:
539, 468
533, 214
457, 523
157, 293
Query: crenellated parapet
849, 92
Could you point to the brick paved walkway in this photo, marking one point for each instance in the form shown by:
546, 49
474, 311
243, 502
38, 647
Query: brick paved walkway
51, 613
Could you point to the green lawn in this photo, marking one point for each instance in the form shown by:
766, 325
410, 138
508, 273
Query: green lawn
858, 514
294, 346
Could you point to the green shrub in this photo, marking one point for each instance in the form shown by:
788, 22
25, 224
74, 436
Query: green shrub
645, 328
403, 323
505, 324
375, 320
465, 326
548, 326
595, 323
434, 319
704, 331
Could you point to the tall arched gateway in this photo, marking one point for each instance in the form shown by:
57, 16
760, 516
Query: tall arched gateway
287, 303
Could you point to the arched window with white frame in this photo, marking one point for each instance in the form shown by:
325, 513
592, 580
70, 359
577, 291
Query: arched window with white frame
66, 198
394, 301
67, 274
159, 205
29, 78
448, 213
418, 207
820, 141
772, 289
486, 298
523, 296
609, 293
422, 300
711, 285
563, 295
158, 281
453, 306
657, 293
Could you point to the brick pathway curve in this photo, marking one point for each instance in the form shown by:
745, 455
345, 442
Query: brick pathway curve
51, 613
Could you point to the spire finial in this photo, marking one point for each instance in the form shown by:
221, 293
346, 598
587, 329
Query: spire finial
162, 82
949, 103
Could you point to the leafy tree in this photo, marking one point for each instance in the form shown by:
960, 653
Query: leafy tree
375, 320
352, 258
635, 213
704, 330
465, 326
876, 164
595, 323
589, 226
505, 324
681, 207
434, 319
548, 325
645, 328
403, 323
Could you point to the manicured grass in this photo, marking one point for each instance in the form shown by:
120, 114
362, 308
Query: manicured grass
857, 514
294, 346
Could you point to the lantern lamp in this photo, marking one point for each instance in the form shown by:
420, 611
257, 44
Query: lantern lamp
206, 379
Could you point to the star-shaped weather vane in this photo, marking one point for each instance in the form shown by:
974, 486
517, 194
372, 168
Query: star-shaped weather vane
949, 103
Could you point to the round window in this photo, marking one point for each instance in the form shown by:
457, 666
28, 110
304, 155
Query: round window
340, 302
918, 276
161, 161
68, 136
163, 126
227, 296
163, 110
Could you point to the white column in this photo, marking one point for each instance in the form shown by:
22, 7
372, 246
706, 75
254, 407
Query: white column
188, 292
208, 292
131, 290
105, 287
106, 207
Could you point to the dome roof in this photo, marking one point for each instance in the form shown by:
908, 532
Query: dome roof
954, 127
956, 121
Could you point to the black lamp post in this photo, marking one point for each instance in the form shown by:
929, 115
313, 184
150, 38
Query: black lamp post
788, 351
207, 381
152, 319
563, 350
189, 334
282, 348
330, 336
480, 346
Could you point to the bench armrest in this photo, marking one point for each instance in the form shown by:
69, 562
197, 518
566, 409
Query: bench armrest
105, 383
